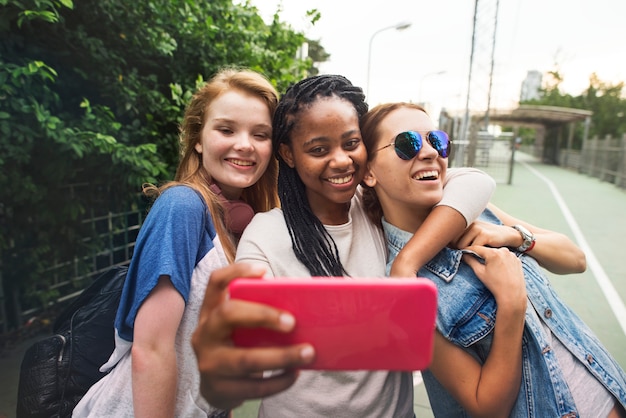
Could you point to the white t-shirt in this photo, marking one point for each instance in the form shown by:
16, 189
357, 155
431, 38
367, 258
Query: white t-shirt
362, 252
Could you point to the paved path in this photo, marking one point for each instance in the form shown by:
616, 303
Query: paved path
589, 211
592, 213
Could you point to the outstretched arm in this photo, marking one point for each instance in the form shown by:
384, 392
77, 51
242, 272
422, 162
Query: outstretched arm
552, 250
466, 193
230, 375
490, 389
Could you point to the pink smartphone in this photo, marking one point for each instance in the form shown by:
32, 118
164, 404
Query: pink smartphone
353, 323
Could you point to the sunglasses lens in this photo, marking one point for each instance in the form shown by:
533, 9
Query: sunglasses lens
408, 144
440, 141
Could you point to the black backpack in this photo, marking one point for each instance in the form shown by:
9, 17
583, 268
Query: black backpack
57, 371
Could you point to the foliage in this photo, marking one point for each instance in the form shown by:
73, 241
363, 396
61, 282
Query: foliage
608, 104
317, 54
91, 94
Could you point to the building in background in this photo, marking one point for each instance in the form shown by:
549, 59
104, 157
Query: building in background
531, 86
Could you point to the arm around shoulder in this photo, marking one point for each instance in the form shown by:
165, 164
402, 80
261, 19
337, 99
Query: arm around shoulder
554, 251
468, 191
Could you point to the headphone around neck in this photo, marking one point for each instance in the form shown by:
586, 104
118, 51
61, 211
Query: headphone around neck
238, 213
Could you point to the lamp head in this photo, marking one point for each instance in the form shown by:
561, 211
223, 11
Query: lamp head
403, 25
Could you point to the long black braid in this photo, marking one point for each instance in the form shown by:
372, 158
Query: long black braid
312, 244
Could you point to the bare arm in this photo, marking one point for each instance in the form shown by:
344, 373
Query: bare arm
441, 226
231, 375
465, 195
155, 371
552, 250
490, 389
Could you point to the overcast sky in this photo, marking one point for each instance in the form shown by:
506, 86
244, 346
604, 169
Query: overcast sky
582, 36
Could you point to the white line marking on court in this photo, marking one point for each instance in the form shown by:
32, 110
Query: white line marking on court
603, 280
417, 379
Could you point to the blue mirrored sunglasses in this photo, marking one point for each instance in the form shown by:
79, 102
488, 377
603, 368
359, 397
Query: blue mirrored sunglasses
408, 144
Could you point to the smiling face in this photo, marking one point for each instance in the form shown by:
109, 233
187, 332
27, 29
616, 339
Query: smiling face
235, 142
327, 152
407, 189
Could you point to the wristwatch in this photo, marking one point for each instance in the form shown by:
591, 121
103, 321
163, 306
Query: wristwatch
527, 236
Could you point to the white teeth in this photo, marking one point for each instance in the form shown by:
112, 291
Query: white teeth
242, 162
434, 174
341, 180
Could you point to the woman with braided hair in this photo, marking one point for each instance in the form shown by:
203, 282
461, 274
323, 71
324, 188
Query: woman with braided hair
320, 230
318, 179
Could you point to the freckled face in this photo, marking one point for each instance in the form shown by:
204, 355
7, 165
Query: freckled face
406, 189
327, 152
235, 141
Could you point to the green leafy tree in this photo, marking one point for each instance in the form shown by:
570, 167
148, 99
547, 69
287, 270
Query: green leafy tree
608, 104
605, 100
318, 54
91, 95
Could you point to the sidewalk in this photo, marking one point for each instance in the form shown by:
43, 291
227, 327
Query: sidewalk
591, 213
538, 194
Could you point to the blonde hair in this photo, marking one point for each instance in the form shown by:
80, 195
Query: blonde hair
262, 196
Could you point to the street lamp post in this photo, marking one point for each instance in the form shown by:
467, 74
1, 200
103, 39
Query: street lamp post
397, 26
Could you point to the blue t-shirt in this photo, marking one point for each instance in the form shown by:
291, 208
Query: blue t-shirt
177, 233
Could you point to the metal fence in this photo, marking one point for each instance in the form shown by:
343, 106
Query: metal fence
492, 154
68, 278
604, 158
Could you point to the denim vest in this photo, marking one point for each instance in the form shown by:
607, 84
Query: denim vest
466, 316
